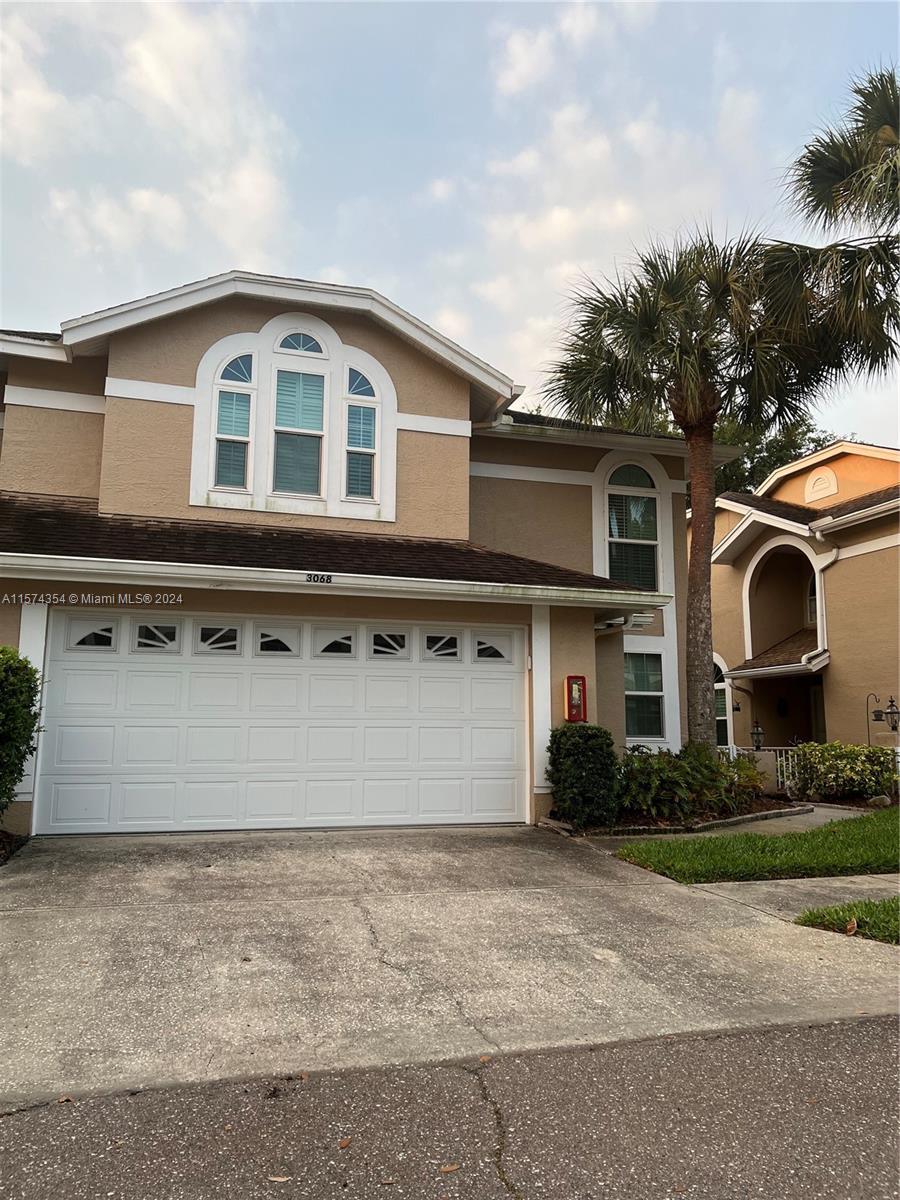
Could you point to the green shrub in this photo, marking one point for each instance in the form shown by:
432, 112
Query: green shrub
835, 769
19, 712
694, 782
584, 774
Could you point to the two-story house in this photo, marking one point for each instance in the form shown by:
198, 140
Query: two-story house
286, 559
805, 600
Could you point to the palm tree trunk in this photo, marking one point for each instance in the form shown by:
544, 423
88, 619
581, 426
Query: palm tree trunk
700, 695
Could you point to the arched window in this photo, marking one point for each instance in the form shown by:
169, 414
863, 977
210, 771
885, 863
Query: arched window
632, 527
232, 431
812, 608
289, 419
721, 697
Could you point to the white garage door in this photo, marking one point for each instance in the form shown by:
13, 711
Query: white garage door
170, 722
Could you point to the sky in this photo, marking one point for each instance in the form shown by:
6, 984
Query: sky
471, 161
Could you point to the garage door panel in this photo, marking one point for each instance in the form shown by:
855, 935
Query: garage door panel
153, 690
155, 738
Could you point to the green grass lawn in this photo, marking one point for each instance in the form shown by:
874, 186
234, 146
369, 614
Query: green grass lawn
875, 919
866, 845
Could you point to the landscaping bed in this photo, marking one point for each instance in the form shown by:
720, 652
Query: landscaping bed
878, 920
860, 846
9, 844
638, 824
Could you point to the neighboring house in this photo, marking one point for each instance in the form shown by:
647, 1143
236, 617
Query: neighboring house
805, 599
290, 561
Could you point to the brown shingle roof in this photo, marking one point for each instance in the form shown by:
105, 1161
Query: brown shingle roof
805, 514
31, 333
72, 528
785, 653
551, 422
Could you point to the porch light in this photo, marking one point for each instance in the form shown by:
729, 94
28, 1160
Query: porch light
757, 735
892, 713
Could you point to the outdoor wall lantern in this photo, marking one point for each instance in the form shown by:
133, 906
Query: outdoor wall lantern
892, 712
757, 735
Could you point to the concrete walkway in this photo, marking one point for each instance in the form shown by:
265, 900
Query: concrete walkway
136, 961
788, 898
822, 814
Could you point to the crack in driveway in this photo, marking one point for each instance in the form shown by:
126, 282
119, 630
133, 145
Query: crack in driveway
412, 972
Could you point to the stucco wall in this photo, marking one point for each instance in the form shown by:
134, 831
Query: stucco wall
856, 474
86, 375
862, 599
51, 452
547, 521
168, 351
777, 597
147, 465
610, 661
10, 615
572, 653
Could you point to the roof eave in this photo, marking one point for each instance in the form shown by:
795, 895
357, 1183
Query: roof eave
826, 524
205, 576
809, 664
737, 539
88, 329
22, 347
611, 439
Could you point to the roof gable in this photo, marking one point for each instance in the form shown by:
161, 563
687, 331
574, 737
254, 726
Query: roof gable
824, 456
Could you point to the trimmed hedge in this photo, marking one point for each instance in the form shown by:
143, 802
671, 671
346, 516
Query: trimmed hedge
19, 714
584, 774
836, 769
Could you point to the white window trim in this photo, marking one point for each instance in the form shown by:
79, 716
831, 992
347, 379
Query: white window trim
322, 434
361, 402
334, 363
667, 645
661, 739
247, 389
720, 662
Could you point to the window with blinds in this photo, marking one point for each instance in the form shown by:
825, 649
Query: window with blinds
299, 406
232, 438
643, 696
633, 538
360, 452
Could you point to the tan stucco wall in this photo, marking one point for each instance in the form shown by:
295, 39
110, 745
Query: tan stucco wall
856, 474
572, 653
51, 451
147, 464
725, 522
17, 818
862, 602
85, 375
169, 350
10, 615
535, 452
777, 597
610, 661
547, 521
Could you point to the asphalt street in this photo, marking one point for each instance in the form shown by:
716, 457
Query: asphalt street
782, 1113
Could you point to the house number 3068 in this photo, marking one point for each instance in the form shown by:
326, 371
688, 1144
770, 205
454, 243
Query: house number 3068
319, 578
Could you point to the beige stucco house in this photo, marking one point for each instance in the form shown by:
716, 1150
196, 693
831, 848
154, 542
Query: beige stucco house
806, 605
286, 558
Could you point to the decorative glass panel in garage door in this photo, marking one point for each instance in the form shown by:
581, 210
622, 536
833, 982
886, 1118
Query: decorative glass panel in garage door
156, 722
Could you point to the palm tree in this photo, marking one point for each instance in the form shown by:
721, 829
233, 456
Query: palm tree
695, 333
850, 175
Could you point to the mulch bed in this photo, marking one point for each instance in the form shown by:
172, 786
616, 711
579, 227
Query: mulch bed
9, 844
761, 805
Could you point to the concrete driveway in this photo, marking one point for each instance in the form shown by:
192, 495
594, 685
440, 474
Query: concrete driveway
136, 961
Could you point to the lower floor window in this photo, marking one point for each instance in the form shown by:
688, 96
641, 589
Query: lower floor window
643, 696
721, 699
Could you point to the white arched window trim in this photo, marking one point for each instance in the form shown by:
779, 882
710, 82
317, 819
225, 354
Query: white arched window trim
819, 563
334, 364
667, 645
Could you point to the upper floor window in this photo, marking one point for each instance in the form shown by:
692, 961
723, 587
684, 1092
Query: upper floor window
298, 423
812, 608
632, 527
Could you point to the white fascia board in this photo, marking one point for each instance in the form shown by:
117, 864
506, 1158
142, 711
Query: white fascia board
826, 524
739, 538
815, 664
821, 456
27, 397
297, 293
21, 347
124, 572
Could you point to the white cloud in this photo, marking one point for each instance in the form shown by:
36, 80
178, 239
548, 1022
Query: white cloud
453, 322
98, 223
738, 110
526, 162
500, 292
331, 275
526, 58
38, 120
582, 23
441, 189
